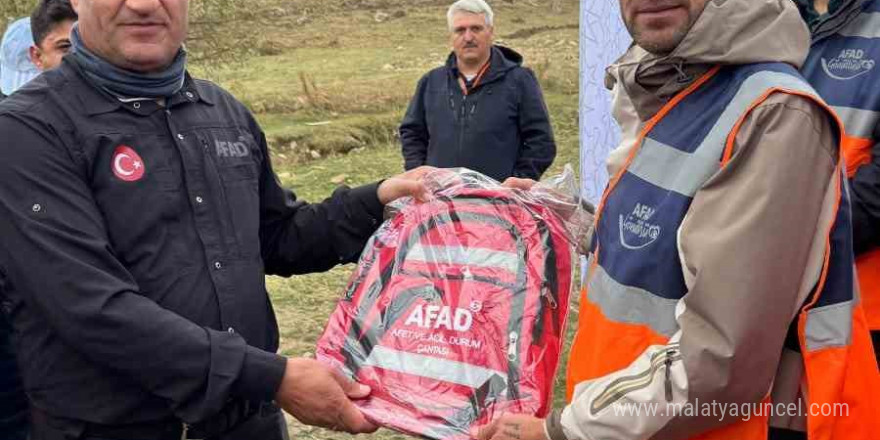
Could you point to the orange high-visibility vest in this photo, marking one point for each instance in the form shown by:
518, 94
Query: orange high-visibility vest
842, 68
635, 277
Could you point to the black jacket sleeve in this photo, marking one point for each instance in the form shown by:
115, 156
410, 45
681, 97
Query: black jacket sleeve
414, 136
865, 191
58, 254
297, 237
538, 146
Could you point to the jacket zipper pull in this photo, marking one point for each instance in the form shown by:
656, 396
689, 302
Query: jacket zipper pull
550, 298
511, 348
668, 381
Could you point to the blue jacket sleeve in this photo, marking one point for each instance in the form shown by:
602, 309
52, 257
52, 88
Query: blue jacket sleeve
538, 148
414, 136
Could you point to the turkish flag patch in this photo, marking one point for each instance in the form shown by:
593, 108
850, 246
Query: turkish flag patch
127, 165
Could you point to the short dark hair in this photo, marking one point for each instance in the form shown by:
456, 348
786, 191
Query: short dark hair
47, 15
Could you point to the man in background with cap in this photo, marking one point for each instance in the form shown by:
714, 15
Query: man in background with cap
35, 44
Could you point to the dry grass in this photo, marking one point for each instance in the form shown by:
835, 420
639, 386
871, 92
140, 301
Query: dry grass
356, 62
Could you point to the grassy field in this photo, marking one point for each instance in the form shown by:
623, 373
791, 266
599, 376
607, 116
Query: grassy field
329, 82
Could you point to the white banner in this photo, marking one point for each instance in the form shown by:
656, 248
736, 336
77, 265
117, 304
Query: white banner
603, 39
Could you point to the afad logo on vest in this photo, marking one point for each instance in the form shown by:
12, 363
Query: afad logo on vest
849, 64
127, 165
636, 230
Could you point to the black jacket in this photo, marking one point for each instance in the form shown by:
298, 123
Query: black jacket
500, 129
13, 402
136, 280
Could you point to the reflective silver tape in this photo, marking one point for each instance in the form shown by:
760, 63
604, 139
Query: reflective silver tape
749, 92
857, 122
672, 169
431, 367
465, 256
829, 326
631, 305
685, 173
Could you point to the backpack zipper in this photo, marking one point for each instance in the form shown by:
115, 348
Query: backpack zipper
512, 346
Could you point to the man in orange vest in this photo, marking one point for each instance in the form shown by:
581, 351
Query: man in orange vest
720, 301
842, 67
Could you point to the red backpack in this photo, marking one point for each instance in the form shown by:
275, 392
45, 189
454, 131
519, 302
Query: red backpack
456, 312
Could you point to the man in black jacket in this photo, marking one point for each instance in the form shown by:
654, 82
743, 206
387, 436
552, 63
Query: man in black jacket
139, 213
482, 110
13, 402
50, 25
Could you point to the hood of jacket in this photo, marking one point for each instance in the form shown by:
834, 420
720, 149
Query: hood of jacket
502, 60
840, 13
727, 32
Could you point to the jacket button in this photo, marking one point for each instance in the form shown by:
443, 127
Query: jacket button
199, 199
218, 265
36, 207
230, 330
180, 136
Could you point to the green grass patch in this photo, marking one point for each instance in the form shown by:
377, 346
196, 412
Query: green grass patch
329, 89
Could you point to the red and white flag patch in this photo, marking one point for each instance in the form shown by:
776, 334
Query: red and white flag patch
127, 164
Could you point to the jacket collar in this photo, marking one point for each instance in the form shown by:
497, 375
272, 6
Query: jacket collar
96, 101
840, 13
502, 60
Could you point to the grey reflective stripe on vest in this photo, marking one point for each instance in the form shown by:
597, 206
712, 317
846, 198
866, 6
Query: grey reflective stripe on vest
431, 367
685, 173
829, 326
655, 160
631, 305
866, 25
462, 256
857, 122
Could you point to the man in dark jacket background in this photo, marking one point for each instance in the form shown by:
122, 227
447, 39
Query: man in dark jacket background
482, 110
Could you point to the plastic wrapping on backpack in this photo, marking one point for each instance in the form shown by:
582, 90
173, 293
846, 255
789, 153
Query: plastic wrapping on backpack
456, 311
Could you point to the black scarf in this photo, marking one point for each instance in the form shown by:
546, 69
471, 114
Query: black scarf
125, 83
